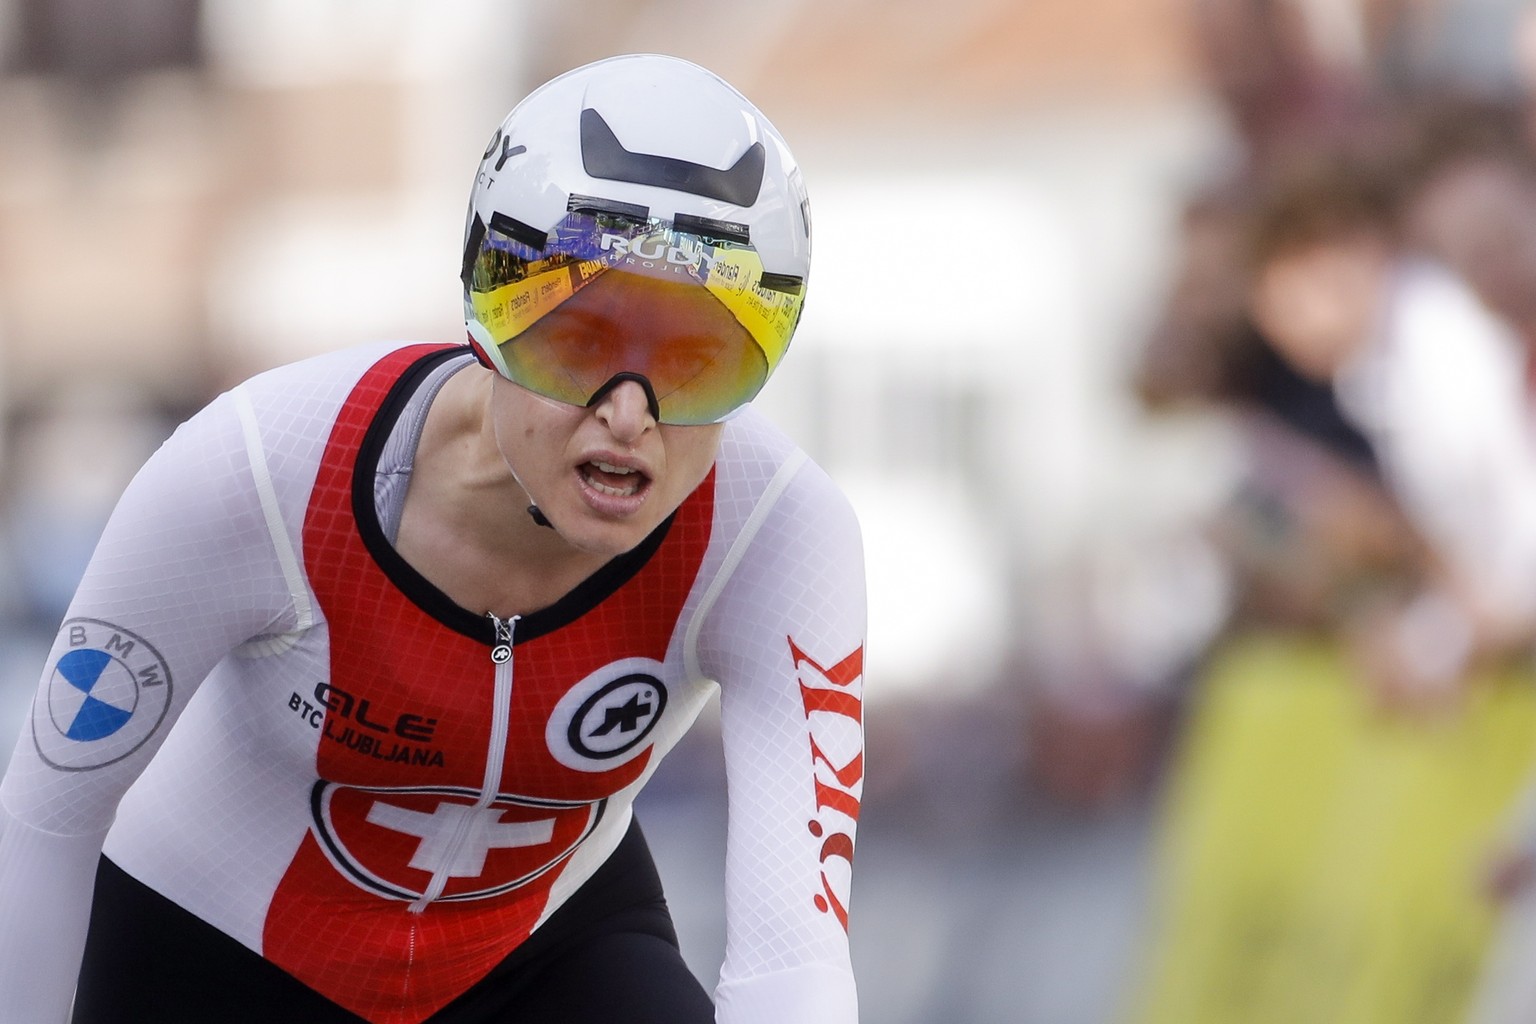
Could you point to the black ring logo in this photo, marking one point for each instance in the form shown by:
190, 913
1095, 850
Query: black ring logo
618, 717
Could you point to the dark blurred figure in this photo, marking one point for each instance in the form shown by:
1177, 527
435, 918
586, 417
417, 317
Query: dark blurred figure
1314, 537
95, 47
100, 44
1264, 62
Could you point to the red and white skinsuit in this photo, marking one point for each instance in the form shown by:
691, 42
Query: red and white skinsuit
384, 793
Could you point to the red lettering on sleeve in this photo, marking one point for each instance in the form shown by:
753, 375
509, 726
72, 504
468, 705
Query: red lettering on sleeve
834, 712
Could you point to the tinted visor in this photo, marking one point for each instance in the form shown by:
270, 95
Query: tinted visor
605, 294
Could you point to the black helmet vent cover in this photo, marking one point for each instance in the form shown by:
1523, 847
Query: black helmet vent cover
603, 156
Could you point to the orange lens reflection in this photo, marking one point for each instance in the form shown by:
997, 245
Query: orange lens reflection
701, 362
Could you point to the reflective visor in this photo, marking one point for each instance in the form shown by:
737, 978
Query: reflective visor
683, 303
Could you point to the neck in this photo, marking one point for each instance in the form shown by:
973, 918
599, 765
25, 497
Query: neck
466, 526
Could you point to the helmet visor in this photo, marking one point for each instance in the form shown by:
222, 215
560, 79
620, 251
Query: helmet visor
684, 304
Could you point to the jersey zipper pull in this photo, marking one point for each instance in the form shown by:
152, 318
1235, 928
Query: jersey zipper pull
501, 653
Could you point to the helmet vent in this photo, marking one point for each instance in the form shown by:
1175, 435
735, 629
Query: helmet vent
603, 156
612, 207
720, 230
516, 230
790, 284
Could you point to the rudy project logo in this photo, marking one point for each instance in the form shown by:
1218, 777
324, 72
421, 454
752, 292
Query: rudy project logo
655, 247
401, 842
603, 721
106, 696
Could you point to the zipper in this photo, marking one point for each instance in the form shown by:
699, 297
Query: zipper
495, 758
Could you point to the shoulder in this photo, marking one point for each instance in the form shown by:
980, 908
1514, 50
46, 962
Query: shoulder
325, 378
786, 559
296, 405
761, 474
273, 425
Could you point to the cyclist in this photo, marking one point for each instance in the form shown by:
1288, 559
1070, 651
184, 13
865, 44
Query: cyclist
348, 715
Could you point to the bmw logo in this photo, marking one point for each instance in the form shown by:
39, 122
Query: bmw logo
106, 694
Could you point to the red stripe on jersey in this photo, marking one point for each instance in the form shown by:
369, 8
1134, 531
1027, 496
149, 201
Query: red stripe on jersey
403, 752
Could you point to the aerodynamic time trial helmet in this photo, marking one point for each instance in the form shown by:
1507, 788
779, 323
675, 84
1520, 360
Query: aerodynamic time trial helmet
637, 218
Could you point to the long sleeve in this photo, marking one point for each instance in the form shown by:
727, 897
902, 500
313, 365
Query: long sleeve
786, 642
45, 899
184, 573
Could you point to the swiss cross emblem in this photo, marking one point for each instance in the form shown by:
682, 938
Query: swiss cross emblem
445, 843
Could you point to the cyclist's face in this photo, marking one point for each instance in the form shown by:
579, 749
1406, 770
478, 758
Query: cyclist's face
604, 475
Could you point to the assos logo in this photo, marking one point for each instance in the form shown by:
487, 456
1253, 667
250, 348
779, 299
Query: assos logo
106, 695
604, 721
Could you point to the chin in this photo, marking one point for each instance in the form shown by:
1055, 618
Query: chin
609, 539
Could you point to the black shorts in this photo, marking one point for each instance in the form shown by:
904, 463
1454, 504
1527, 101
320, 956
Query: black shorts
608, 954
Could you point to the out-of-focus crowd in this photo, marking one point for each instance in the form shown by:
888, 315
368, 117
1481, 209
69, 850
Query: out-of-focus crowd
1357, 293
1356, 304
1356, 300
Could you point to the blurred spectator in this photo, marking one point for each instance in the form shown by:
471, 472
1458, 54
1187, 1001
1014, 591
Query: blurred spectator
1435, 381
1311, 536
1357, 292
1356, 300
1368, 376
1473, 204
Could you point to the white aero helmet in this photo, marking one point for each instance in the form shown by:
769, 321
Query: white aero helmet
637, 219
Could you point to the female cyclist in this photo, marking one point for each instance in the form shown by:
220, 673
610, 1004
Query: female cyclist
350, 710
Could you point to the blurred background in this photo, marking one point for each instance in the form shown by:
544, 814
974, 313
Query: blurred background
1173, 351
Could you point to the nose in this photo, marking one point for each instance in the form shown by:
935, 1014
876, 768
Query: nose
626, 410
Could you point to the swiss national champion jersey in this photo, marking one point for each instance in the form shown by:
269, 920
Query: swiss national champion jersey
384, 793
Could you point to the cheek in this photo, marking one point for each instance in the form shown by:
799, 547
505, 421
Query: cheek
531, 430
691, 451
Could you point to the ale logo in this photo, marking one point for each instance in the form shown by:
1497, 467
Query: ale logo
106, 695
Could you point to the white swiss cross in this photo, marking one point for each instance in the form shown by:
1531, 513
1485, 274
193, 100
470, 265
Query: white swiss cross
455, 838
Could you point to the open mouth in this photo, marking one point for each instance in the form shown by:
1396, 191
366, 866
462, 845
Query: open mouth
617, 481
